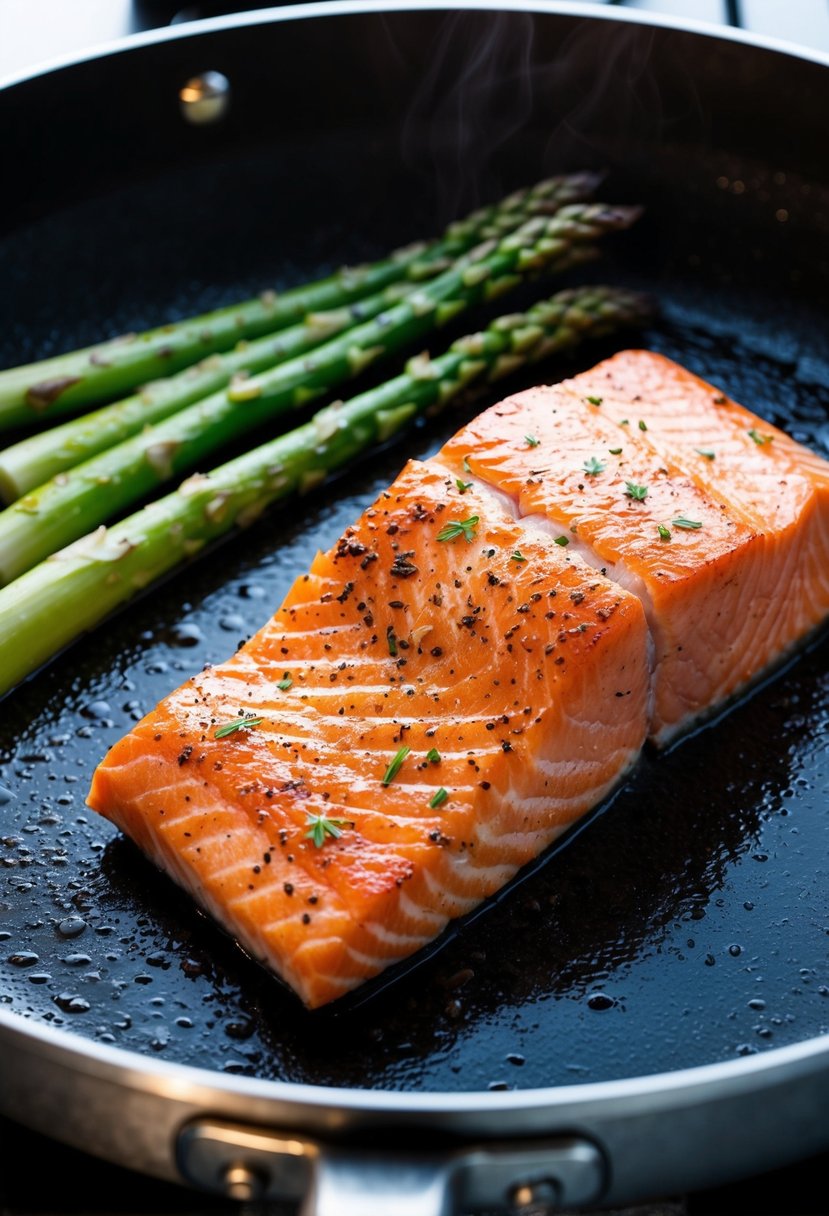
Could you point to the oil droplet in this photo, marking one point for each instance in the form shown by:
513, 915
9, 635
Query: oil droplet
734, 950
515, 1057
6, 796
186, 635
757, 1004
231, 622
96, 709
496, 1085
70, 1002
600, 1001
239, 1030
76, 960
24, 958
252, 591
184, 1023
72, 926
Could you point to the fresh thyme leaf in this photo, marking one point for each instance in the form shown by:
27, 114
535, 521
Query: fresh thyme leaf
433, 755
760, 438
643, 426
593, 466
624, 422
230, 728
438, 798
463, 486
706, 452
639, 493
682, 522
595, 400
466, 467
456, 528
664, 533
517, 556
615, 451
391, 638
532, 442
285, 683
395, 766
320, 827
562, 540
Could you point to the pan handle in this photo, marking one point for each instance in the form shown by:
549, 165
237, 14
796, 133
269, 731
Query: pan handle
346, 1184
257, 1164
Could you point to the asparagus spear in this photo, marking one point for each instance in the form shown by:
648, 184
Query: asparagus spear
70, 382
76, 501
73, 591
41, 456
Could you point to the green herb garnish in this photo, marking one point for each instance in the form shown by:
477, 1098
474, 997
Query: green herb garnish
391, 638
285, 683
320, 827
463, 486
456, 528
532, 442
230, 728
438, 798
593, 466
517, 556
643, 426
615, 451
760, 438
433, 755
395, 766
706, 452
595, 400
639, 493
682, 522
562, 540
664, 533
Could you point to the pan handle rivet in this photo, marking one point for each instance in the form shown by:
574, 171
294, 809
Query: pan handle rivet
542, 1193
244, 1183
205, 98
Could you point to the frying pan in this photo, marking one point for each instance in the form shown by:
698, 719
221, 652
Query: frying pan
645, 1011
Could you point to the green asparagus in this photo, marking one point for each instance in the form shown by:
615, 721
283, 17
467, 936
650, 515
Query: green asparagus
73, 503
73, 381
49, 607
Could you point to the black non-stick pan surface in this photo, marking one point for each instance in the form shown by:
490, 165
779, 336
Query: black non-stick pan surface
688, 922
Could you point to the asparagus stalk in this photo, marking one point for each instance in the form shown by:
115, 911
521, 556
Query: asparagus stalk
73, 591
41, 456
75, 502
70, 382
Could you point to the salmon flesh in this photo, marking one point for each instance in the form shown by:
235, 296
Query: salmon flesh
476, 664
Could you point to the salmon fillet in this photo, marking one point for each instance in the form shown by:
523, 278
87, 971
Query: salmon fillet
513, 672
476, 664
717, 520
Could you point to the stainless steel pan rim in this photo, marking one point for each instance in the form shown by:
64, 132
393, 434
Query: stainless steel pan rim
65, 1050
336, 8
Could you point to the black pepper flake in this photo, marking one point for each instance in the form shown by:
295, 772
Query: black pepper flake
185, 754
506, 746
402, 567
288, 888
306, 918
345, 593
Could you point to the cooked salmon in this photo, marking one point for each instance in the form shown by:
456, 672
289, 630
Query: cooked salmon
476, 664
717, 520
438, 699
